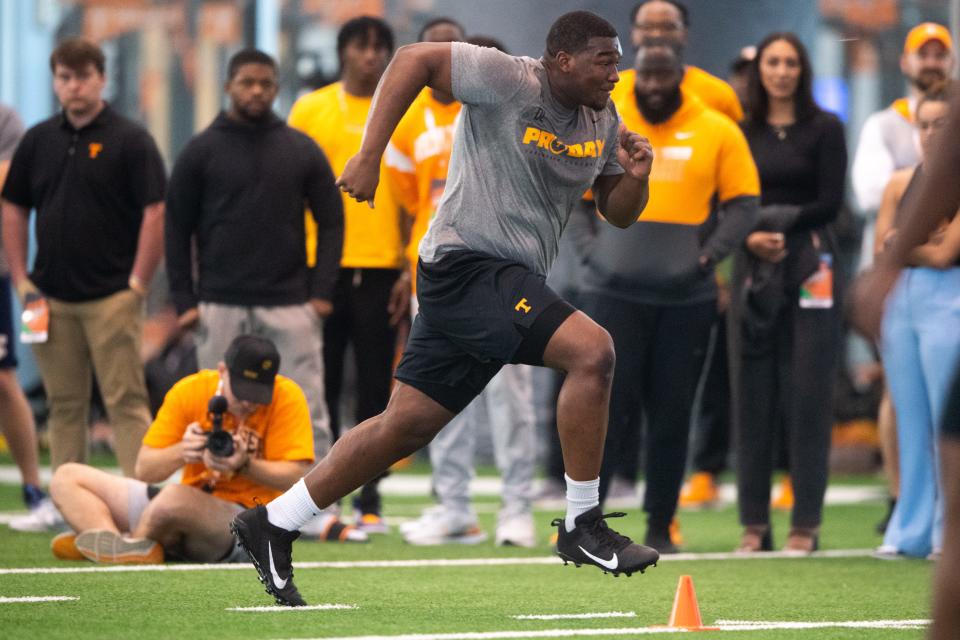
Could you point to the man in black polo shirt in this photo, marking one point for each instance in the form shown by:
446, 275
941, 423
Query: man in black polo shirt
96, 181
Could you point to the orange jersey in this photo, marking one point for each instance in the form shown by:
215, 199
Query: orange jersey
280, 430
335, 119
714, 92
697, 153
417, 160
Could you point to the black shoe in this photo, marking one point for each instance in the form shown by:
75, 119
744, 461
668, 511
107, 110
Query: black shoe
593, 542
659, 539
269, 548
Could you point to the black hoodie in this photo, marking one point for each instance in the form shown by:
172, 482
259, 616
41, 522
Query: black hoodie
240, 189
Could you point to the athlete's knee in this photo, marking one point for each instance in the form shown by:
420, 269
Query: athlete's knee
596, 356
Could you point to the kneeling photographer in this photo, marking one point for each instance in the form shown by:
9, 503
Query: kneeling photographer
239, 434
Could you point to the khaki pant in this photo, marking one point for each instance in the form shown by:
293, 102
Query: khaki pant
100, 337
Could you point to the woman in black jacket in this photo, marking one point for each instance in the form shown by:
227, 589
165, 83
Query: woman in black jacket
789, 320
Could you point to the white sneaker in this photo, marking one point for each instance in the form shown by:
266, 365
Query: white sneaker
425, 515
517, 531
887, 552
440, 526
329, 528
43, 517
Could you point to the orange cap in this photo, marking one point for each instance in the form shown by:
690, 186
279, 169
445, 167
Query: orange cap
924, 33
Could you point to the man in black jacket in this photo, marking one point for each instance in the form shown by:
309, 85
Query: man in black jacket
238, 191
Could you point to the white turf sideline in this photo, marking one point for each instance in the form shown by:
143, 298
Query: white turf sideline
416, 564
402, 484
645, 631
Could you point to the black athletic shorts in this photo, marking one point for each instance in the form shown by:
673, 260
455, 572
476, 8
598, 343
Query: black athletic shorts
477, 313
951, 416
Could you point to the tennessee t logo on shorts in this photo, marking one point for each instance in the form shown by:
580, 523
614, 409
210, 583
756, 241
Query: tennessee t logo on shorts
523, 306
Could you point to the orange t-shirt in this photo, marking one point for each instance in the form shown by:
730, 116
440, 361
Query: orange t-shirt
335, 119
714, 92
418, 159
280, 430
697, 153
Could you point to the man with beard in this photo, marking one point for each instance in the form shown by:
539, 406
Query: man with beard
372, 292
887, 140
887, 144
652, 286
237, 191
668, 22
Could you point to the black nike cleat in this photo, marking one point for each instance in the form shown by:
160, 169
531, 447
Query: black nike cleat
269, 548
592, 541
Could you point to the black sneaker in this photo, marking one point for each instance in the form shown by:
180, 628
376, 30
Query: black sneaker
593, 542
269, 548
659, 538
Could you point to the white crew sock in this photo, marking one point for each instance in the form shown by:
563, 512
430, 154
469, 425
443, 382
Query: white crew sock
581, 497
293, 509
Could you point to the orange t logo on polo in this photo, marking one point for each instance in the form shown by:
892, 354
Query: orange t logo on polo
95, 149
523, 306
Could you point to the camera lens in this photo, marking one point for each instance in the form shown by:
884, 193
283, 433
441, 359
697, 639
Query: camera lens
220, 444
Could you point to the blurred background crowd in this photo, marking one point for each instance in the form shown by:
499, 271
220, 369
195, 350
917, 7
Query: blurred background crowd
771, 405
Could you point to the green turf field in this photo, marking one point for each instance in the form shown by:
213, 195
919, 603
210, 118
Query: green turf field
475, 600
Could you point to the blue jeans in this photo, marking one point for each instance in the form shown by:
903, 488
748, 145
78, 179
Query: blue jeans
920, 344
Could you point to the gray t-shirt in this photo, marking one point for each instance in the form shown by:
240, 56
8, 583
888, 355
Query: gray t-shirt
520, 161
11, 130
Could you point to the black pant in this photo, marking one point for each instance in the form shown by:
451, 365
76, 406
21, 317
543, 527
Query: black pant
660, 352
360, 319
711, 424
788, 385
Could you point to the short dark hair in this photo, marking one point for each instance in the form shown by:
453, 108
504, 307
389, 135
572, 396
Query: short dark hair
682, 8
437, 21
362, 28
758, 102
487, 41
76, 54
249, 56
572, 31
740, 64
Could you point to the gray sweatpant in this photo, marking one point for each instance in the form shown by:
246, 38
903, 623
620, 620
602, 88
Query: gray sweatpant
507, 405
297, 332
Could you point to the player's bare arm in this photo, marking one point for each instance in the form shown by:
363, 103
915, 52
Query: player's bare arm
415, 66
622, 198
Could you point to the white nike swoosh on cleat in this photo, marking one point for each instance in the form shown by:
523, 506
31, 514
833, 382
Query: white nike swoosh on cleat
281, 583
611, 564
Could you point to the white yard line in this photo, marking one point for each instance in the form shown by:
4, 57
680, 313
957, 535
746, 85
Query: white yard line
415, 564
311, 607
577, 616
405, 484
569, 633
12, 600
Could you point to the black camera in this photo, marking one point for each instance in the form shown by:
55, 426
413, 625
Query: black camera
219, 442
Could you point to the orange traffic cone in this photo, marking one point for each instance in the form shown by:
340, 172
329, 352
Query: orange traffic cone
686, 611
